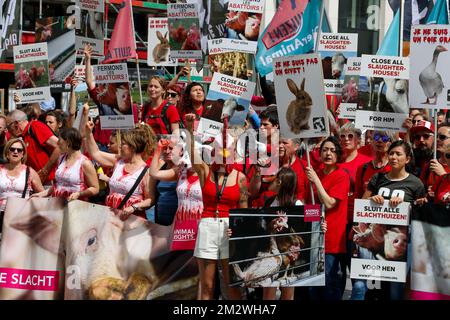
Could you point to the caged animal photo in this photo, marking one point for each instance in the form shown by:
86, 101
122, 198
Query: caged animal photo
299, 110
272, 247
162, 48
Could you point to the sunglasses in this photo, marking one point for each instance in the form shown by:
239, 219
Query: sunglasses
425, 136
378, 137
447, 155
172, 94
443, 137
18, 150
415, 121
350, 136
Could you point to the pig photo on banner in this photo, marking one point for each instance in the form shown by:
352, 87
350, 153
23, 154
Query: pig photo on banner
275, 246
380, 237
59, 33
91, 26
126, 260
300, 95
54, 250
158, 53
227, 97
430, 276
31, 72
430, 58
242, 26
31, 255
184, 31
383, 93
115, 110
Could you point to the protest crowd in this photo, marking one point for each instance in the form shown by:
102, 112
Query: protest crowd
168, 170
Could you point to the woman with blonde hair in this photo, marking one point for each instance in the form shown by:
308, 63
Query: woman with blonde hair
16, 178
129, 186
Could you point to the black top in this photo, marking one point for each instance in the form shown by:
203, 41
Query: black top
410, 188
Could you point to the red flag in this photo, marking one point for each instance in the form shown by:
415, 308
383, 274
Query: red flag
122, 45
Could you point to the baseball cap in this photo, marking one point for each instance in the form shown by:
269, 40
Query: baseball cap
422, 125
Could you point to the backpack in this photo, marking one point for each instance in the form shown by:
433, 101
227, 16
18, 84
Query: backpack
164, 118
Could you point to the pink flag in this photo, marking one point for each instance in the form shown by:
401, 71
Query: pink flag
122, 45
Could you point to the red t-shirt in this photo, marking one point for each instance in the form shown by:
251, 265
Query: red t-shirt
441, 188
301, 178
154, 117
314, 159
350, 168
366, 150
362, 182
337, 185
428, 177
38, 152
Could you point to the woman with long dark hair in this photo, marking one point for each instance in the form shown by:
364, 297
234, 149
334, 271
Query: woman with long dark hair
192, 100
397, 186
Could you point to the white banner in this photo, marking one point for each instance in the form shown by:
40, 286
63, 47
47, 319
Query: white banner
369, 212
347, 111
247, 5
117, 122
93, 5
367, 269
110, 73
227, 44
380, 120
385, 67
339, 42
353, 66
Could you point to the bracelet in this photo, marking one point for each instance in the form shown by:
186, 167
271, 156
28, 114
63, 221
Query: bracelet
134, 207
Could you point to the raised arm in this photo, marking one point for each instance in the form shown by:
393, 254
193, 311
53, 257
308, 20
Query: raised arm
103, 158
324, 197
183, 72
72, 104
200, 167
87, 62
155, 166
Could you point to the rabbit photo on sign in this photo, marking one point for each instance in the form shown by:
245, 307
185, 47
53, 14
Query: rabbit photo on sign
161, 50
299, 110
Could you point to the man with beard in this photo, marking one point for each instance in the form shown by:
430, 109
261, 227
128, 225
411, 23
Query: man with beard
423, 135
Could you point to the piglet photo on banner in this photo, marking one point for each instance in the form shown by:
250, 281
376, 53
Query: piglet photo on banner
31, 72
380, 236
430, 58
300, 96
383, 93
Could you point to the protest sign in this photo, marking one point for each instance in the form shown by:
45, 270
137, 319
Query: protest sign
184, 31
11, 27
351, 83
300, 96
32, 72
91, 26
383, 93
115, 108
380, 236
59, 34
275, 246
429, 79
158, 52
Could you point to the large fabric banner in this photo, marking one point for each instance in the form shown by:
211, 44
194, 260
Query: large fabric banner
276, 246
51, 250
430, 276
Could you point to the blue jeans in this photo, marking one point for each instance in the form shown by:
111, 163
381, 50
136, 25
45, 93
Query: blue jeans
359, 287
333, 281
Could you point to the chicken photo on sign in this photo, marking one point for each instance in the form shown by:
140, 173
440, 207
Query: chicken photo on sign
430, 58
273, 247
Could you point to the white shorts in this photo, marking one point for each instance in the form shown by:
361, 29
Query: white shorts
212, 239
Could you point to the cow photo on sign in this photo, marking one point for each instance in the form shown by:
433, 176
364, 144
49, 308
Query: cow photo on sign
272, 247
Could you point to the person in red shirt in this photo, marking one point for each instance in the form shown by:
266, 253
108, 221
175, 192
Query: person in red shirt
192, 101
437, 167
42, 144
158, 113
441, 188
331, 186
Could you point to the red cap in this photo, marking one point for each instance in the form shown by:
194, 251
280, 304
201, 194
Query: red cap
422, 125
